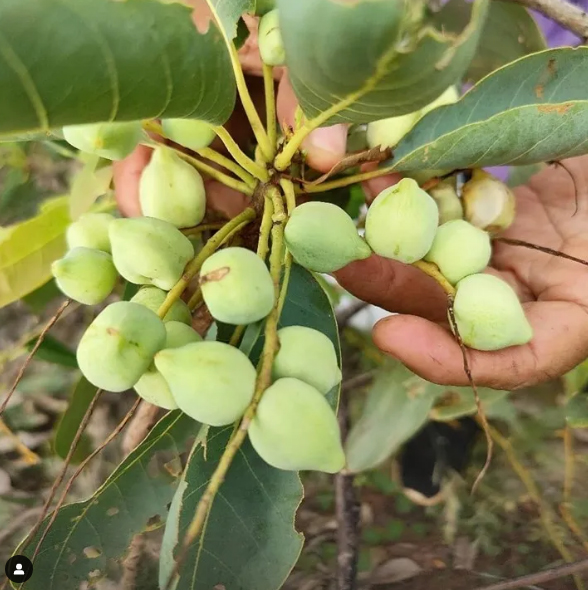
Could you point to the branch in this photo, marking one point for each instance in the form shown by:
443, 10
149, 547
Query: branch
554, 573
562, 12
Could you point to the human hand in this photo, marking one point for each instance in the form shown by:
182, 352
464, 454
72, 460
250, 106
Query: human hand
554, 292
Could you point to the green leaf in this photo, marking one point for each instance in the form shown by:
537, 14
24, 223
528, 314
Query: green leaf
362, 61
87, 536
520, 175
67, 427
229, 13
397, 406
91, 182
577, 410
532, 110
576, 379
40, 298
249, 541
27, 250
53, 351
510, 32
462, 402
81, 61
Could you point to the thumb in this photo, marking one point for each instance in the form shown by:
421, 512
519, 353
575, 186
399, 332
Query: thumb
325, 146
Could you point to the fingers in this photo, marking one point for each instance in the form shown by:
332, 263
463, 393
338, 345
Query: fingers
224, 200
325, 146
126, 174
394, 286
560, 342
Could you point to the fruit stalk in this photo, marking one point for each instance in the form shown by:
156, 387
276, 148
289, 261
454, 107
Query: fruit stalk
240, 157
346, 180
266, 227
431, 269
270, 102
211, 246
263, 380
227, 163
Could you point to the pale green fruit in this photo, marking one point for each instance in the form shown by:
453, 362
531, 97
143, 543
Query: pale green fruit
388, 132
401, 222
488, 203
119, 345
269, 38
90, 231
308, 355
85, 275
211, 382
449, 96
113, 141
237, 286
449, 203
172, 190
190, 133
153, 298
489, 315
295, 429
459, 250
323, 238
148, 251
152, 387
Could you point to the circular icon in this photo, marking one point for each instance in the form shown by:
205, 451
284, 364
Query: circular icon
18, 569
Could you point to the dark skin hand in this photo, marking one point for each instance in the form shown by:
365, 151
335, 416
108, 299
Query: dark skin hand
554, 291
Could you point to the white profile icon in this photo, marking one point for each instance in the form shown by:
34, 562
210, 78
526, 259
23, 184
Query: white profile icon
19, 571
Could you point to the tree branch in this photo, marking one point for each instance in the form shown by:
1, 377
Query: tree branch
562, 12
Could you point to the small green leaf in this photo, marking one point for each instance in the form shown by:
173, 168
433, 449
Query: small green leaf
87, 536
249, 541
65, 62
532, 110
91, 182
53, 351
397, 406
67, 427
27, 250
360, 61
577, 410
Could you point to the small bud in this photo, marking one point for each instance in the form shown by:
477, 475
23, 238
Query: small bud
90, 231
148, 251
488, 203
401, 222
172, 190
85, 275
323, 238
153, 298
113, 141
271, 46
191, 133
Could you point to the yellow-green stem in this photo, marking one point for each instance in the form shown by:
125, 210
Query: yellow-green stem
198, 229
265, 229
209, 248
285, 282
270, 106
241, 158
289, 193
263, 381
346, 181
433, 271
196, 299
236, 336
227, 163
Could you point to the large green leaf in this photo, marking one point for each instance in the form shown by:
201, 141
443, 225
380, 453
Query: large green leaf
229, 13
370, 59
397, 406
510, 32
532, 110
27, 250
80, 61
256, 503
88, 535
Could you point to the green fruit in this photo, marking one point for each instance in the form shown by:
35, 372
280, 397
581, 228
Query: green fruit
449, 203
113, 141
308, 355
153, 298
323, 238
459, 250
271, 46
237, 286
148, 251
489, 315
401, 222
449, 96
172, 190
85, 275
295, 429
119, 345
152, 387
90, 231
488, 203
190, 133
388, 132
211, 382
